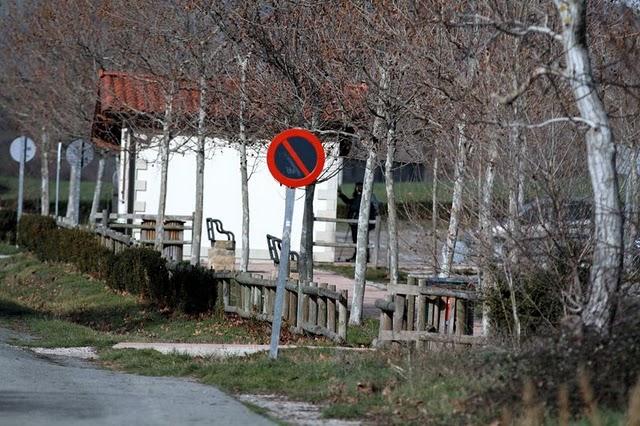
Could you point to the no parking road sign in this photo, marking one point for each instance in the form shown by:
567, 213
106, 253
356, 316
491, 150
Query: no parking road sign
295, 158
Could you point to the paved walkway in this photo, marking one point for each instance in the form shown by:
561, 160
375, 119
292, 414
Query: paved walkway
38, 389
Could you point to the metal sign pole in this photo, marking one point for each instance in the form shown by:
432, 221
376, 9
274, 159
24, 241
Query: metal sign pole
23, 159
58, 176
283, 272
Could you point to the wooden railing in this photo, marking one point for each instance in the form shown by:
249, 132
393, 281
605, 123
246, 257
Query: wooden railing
317, 308
175, 225
429, 311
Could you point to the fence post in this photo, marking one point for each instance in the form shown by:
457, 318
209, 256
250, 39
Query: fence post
411, 305
376, 247
300, 307
105, 219
342, 314
313, 306
331, 311
293, 305
386, 320
398, 313
421, 313
322, 307
225, 292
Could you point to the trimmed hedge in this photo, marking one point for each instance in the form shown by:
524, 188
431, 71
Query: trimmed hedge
8, 225
141, 271
136, 270
194, 289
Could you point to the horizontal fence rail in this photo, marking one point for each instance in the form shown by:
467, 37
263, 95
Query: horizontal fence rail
318, 309
429, 311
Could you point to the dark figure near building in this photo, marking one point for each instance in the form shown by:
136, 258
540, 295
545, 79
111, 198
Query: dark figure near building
353, 211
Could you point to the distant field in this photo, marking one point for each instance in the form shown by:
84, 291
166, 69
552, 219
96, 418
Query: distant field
9, 189
407, 191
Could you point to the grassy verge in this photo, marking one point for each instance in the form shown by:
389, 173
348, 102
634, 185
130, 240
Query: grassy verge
9, 189
8, 249
396, 385
71, 309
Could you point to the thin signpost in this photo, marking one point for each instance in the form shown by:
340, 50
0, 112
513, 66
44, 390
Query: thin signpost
22, 150
295, 158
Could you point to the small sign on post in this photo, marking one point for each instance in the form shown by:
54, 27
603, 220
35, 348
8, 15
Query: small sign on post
22, 149
295, 158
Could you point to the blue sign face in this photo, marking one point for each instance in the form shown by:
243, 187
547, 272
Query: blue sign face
296, 157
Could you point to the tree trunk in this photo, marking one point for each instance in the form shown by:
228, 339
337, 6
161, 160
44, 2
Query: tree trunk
165, 146
362, 241
599, 311
305, 265
196, 234
486, 205
44, 173
72, 202
244, 175
97, 191
449, 246
631, 208
392, 219
434, 213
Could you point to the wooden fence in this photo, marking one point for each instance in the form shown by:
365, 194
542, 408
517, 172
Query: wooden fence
113, 240
173, 241
317, 308
429, 311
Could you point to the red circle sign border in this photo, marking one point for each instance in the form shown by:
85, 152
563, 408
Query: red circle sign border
271, 157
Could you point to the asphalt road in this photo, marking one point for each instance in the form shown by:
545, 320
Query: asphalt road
39, 390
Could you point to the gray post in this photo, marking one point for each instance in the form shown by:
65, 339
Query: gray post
58, 176
23, 158
283, 273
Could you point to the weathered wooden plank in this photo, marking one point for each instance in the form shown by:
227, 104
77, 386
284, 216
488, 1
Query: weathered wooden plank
342, 314
432, 337
399, 312
408, 290
322, 331
313, 307
331, 311
421, 312
411, 305
322, 307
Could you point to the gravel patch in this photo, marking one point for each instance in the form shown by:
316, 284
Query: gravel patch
83, 352
294, 412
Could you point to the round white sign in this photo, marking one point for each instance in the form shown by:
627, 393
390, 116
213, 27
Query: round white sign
78, 148
22, 146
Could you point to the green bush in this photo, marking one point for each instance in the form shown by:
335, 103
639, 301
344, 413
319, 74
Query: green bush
141, 271
34, 230
538, 300
193, 287
8, 224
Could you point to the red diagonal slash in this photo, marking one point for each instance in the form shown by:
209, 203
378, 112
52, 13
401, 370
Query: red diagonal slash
295, 157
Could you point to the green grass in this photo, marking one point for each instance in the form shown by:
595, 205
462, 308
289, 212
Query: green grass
8, 249
9, 189
71, 309
407, 191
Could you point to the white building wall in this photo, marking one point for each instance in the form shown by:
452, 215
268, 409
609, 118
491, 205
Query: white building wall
222, 197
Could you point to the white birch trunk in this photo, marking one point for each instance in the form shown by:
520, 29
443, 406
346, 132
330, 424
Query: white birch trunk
97, 191
72, 201
434, 214
631, 208
392, 219
196, 234
165, 146
362, 241
606, 269
486, 213
44, 173
244, 175
449, 246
